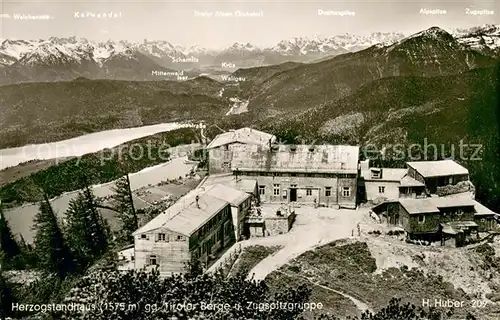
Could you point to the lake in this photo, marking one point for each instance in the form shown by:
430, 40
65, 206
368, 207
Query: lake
81, 145
21, 218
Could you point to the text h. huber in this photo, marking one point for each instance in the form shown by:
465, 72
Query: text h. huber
442, 303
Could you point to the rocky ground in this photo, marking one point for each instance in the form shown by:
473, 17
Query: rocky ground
350, 271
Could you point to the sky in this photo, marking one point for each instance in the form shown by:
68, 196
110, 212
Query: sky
178, 23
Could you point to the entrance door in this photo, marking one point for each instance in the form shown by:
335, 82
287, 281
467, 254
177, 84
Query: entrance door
293, 194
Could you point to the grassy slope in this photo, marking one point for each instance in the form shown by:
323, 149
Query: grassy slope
46, 112
350, 268
99, 167
250, 257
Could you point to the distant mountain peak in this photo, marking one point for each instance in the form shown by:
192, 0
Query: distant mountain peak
79, 79
484, 39
434, 33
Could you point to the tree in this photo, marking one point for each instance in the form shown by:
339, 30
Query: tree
8, 243
52, 251
6, 298
396, 310
144, 295
125, 206
87, 232
27, 258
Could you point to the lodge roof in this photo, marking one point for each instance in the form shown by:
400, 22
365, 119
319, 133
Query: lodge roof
230, 180
454, 227
417, 206
408, 181
234, 196
432, 205
186, 216
296, 158
244, 135
429, 169
481, 210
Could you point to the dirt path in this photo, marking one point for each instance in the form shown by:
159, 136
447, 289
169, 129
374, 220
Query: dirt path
313, 228
358, 303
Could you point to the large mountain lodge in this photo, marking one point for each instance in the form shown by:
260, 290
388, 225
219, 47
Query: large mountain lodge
254, 184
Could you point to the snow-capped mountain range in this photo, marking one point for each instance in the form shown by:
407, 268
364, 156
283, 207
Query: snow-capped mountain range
31, 51
64, 58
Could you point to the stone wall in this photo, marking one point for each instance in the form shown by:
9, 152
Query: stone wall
463, 186
279, 225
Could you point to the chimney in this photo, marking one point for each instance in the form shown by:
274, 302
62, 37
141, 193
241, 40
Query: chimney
198, 201
364, 164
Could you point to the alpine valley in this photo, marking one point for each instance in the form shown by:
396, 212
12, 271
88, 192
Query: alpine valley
439, 85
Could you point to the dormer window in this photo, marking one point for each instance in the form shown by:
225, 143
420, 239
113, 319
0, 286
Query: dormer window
376, 173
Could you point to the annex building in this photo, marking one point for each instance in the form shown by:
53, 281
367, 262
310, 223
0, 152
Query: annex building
438, 206
200, 226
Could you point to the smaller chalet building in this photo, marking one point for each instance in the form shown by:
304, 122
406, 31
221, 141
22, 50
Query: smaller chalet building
220, 149
198, 226
439, 218
322, 174
388, 184
435, 202
436, 174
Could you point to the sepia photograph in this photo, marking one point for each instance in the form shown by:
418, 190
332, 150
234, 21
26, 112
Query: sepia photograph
250, 159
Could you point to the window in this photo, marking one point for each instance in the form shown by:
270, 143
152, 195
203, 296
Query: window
293, 174
262, 190
276, 189
180, 238
152, 260
421, 218
309, 192
346, 192
308, 174
328, 191
161, 237
143, 236
375, 173
381, 189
